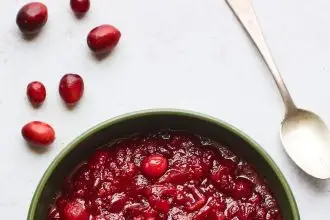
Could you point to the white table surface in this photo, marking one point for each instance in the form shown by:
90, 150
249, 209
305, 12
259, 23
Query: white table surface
188, 54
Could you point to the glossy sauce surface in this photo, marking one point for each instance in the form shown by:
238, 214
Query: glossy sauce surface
165, 175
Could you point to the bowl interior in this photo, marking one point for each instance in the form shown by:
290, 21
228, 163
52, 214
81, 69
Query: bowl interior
108, 131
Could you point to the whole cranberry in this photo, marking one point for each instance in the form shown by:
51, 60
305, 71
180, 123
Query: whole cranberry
103, 39
154, 165
32, 17
80, 7
36, 92
75, 211
38, 133
71, 88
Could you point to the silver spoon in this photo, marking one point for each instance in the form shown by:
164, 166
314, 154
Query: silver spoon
304, 135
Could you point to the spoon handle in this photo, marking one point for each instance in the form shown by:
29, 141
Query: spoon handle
244, 12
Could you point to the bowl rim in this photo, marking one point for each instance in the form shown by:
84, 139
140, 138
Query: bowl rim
161, 111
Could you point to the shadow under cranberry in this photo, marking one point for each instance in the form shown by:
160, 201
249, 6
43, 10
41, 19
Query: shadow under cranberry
70, 107
79, 16
30, 37
35, 105
100, 56
38, 149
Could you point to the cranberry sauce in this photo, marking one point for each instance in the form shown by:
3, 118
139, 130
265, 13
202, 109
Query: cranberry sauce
165, 175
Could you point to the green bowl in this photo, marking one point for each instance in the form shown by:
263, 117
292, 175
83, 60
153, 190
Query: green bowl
78, 151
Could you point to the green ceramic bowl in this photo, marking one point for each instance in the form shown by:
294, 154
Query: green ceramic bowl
132, 123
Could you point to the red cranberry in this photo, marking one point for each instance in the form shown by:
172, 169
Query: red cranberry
103, 39
243, 188
80, 6
38, 133
36, 92
75, 211
154, 165
71, 88
32, 17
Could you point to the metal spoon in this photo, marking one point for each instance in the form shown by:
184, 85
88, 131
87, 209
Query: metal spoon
304, 135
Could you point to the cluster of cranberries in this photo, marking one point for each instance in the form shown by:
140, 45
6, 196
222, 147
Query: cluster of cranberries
101, 40
166, 175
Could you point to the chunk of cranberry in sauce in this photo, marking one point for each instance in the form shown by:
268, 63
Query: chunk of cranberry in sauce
243, 188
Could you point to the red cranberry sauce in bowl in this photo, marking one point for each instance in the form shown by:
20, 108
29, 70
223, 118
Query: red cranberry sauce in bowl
165, 175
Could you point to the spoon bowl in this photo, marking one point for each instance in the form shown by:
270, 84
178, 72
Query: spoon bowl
306, 139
